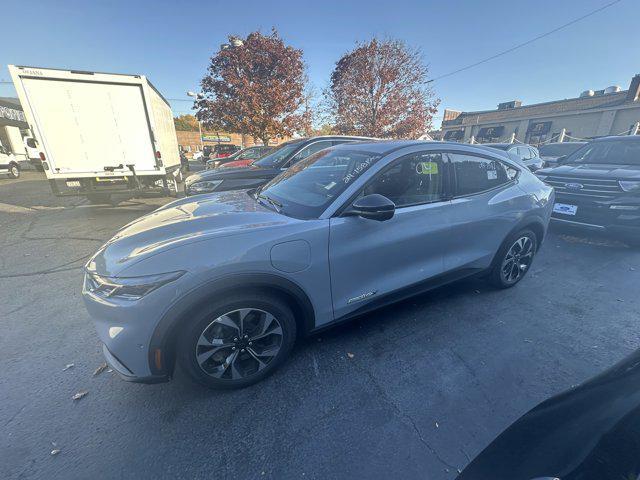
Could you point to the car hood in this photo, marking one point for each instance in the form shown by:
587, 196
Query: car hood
237, 163
250, 171
595, 170
181, 222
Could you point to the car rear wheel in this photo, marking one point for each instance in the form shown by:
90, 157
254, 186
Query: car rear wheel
514, 259
14, 171
237, 341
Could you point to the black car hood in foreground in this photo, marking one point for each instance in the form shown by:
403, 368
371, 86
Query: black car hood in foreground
595, 170
589, 433
250, 172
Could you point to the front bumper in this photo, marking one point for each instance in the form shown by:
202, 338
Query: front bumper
126, 329
599, 216
126, 374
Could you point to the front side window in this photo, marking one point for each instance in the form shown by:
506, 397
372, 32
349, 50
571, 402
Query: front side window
478, 174
412, 180
307, 188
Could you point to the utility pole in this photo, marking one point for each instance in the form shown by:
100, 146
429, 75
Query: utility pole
198, 96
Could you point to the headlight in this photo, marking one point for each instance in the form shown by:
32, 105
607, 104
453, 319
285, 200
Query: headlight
127, 288
204, 187
630, 185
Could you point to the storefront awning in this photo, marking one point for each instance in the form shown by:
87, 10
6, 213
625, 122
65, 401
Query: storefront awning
539, 128
454, 134
491, 132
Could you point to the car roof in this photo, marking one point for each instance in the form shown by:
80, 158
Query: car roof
505, 145
384, 147
624, 138
562, 143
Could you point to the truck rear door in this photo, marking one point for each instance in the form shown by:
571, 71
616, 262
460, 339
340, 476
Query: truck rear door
86, 126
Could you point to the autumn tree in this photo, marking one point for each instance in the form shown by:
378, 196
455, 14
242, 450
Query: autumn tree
380, 89
186, 123
255, 88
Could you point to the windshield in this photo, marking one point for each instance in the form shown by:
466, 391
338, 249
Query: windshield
306, 189
559, 149
278, 157
619, 152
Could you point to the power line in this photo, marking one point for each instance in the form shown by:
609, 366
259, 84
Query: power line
528, 42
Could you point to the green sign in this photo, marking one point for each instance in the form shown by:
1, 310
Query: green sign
215, 138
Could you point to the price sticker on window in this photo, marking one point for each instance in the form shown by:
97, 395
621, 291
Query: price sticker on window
427, 168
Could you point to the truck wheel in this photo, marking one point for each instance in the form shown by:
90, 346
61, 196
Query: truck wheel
14, 171
99, 198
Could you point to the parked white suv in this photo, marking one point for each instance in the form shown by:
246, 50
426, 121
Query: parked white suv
8, 163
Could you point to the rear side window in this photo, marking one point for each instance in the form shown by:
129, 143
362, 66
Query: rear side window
478, 174
524, 153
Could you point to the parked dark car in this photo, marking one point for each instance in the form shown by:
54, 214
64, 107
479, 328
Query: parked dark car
261, 171
591, 432
246, 155
551, 152
528, 154
598, 187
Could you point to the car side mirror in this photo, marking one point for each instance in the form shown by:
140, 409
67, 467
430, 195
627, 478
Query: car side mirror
373, 207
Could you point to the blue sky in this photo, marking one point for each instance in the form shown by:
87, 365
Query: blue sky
171, 41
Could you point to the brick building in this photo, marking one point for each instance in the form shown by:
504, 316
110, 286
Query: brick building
611, 111
190, 141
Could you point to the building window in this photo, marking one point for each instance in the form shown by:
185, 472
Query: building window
538, 132
489, 134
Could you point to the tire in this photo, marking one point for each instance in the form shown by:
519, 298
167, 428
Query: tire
216, 354
503, 276
99, 198
14, 171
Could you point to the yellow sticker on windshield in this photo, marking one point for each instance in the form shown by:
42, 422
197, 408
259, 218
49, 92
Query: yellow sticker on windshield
427, 168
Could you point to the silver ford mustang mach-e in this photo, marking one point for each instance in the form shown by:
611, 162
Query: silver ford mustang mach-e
223, 284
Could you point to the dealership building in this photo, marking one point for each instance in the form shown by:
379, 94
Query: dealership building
13, 127
611, 111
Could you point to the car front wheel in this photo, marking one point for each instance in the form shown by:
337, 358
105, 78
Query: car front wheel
514, 259
14, 171
237, 341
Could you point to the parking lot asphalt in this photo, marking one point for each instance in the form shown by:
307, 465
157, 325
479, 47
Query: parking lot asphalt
414, 390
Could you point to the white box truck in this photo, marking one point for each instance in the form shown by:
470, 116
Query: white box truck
100, 134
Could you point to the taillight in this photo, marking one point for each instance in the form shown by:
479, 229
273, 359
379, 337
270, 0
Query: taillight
158, 154
42, 157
